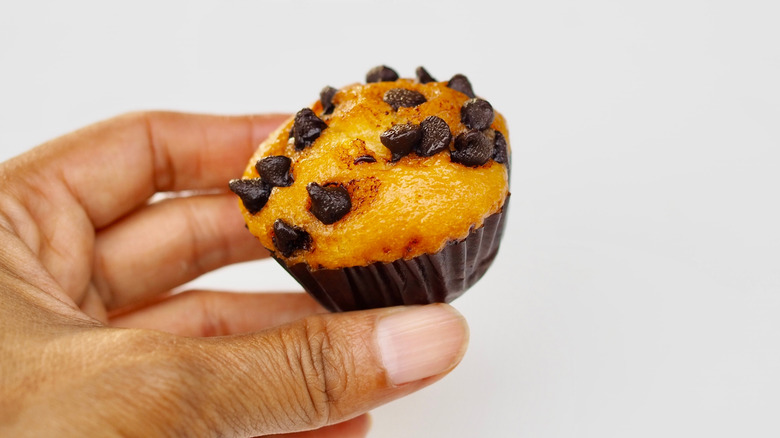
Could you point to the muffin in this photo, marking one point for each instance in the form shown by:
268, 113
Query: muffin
391, 192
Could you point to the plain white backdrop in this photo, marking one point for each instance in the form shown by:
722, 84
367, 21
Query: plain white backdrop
637, 292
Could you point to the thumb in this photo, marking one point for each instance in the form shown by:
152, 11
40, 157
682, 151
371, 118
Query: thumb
327, 368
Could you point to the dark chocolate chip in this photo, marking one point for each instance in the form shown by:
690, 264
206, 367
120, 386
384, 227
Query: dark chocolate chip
329, 203
401, 139
472, 148
253, 192
477, 114
461, 83
288, 238
326, 98
275, 170
365, 159
423, 76
500, 153
403, 97
381, 73
307, 128
436, 136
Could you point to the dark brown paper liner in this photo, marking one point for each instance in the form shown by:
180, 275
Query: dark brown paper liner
428, 278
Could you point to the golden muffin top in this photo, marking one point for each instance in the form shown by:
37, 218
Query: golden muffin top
377, 172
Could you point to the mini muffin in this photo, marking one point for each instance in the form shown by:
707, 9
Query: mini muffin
392, 192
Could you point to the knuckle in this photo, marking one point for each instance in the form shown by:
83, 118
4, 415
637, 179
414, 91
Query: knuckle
323, 368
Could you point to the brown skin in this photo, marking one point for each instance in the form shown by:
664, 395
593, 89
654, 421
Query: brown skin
84, 253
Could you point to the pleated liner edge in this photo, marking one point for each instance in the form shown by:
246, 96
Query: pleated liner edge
425, 279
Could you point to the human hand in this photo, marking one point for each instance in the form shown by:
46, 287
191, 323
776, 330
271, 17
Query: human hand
84, 252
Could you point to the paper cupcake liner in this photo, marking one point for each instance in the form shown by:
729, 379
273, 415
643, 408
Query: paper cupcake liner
428, 278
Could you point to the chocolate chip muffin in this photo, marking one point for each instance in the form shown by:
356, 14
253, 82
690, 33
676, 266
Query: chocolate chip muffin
386, 193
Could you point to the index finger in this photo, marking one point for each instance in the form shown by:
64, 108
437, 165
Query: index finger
116, 165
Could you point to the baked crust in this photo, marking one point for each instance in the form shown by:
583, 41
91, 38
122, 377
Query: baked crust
401, 209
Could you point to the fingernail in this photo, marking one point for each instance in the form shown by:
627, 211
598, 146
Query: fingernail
421, 342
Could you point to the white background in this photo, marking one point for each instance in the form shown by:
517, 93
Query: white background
637, 292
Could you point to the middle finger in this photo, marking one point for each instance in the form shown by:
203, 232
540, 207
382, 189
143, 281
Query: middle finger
168, 243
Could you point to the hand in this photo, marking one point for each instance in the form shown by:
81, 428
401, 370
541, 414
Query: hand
84, 252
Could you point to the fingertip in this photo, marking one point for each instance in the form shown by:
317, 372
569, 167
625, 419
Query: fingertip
421, 342
263, 125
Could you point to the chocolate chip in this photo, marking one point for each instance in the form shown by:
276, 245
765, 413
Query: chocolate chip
472, 148
275, 170
477, 114
365, 159
402, 97
288, 238
253, 192
500, 153
381, 73
461, 83
329, 203
401, 139
423, 76
306, 128
326, 99
436, 136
